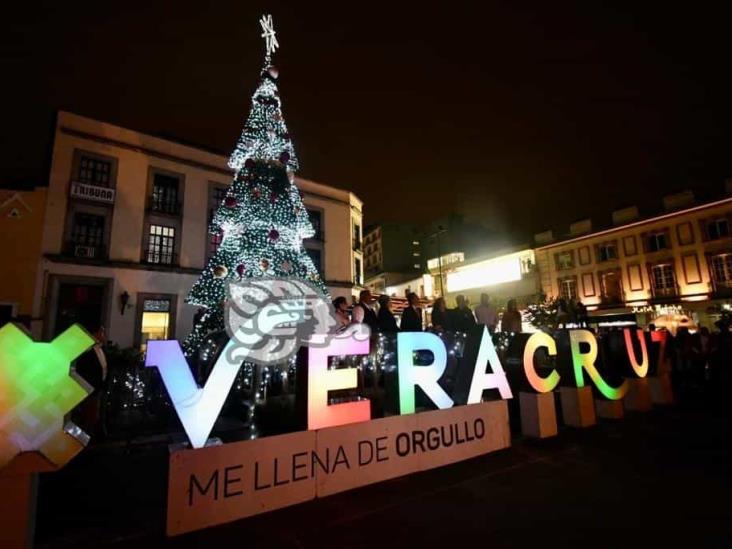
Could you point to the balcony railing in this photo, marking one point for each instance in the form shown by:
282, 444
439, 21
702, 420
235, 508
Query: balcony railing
612, 300
85, 251
154, 256
661, 294
722, 288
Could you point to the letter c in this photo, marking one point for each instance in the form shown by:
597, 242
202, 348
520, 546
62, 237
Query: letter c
538, 383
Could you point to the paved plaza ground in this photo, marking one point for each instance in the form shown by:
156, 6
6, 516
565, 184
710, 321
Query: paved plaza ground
660, 479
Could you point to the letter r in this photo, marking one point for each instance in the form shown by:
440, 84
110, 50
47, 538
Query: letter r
411, 375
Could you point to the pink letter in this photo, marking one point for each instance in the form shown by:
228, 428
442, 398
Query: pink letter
321, 380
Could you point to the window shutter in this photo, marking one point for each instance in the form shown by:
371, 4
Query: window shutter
703, 229
667, 232
649, 272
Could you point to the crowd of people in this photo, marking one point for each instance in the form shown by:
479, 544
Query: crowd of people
462, 318
699, 359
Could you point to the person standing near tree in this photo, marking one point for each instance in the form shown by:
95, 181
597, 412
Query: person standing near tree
340, 305
92, 367
363, 312
412, 315
486, 314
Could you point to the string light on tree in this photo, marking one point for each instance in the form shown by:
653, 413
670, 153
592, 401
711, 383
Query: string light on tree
262, 221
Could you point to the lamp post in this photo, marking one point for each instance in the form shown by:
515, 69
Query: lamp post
436, 236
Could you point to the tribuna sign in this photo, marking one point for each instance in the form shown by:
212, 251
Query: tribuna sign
343, 447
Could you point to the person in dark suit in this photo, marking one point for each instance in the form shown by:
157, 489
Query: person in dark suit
441, 321
363, 313
412, 315
462, 317
387, 322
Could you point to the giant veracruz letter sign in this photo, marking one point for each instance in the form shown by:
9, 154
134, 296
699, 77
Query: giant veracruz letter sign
411, 375
197, 407
38, 388
641, 370
482, 379
586, 361
321, 380
538, 383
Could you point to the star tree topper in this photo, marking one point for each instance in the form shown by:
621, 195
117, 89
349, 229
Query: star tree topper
269, 34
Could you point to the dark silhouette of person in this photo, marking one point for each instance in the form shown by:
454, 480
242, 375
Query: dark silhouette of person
363, 312
387, 322
462, 317
412, 315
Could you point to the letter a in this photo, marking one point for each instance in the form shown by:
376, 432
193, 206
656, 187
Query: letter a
488, 380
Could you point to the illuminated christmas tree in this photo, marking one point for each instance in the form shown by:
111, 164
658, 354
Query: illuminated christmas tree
261, 223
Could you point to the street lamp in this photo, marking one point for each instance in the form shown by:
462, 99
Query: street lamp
436, 236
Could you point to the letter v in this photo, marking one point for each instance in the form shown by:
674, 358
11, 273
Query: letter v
197, 408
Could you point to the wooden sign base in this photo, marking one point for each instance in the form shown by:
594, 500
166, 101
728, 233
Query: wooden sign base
19, 487
538, 415
638, 398
610, 409
661, 390
578, 407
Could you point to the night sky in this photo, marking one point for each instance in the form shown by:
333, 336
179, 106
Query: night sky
521, 117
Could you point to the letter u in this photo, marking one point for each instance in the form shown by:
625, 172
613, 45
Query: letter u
442, 436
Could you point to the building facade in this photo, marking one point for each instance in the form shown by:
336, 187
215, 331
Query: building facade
21, 229
393, 247
125, 233
680, 257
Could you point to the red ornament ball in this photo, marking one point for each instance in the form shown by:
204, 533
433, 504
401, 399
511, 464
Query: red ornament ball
285, 157
249, 163
230, 202
240, 269
274, 234
256, 193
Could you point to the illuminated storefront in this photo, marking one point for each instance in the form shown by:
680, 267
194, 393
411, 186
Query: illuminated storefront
502, 277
